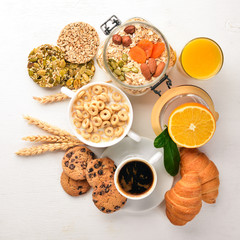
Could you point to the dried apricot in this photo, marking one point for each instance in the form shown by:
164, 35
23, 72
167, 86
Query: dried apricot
158, 49
147, 46
137, 54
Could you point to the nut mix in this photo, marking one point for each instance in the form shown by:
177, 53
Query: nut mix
48, 68
79, 41
136, 54
100, 114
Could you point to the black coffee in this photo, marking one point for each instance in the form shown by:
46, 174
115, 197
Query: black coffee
135, 178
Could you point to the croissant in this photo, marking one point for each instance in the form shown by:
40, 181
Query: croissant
184, 200
194, 160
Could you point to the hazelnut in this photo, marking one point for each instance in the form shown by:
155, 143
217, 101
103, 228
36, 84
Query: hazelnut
130, 29
126, 41
117, 39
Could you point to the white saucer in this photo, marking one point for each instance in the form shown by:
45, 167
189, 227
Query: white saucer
128, 148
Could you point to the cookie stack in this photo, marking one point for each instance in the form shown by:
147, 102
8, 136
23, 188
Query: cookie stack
81, 171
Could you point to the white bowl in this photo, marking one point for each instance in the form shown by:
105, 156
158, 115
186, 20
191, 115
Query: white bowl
73, 96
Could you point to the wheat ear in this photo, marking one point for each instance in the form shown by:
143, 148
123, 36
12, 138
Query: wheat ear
58, 97
50, 138
47, 127
35, 150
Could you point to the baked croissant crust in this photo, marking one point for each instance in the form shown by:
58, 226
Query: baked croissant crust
184, 200
194, 160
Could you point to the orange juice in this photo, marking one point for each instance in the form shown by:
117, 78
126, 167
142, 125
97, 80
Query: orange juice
201, 58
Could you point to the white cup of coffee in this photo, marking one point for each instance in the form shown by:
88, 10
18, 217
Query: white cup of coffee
136, 178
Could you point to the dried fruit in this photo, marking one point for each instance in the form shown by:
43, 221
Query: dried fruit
137, 54
117, 39
146, 71
126, 41
157, 50
130, 29
159, 69
152, 65
147, 46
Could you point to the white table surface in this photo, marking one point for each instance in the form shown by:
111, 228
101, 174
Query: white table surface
32, 202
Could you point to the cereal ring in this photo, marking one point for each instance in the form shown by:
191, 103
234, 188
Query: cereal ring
93, 103
85, 114
104, 89
114, 119
87, 97
81, 93
120, 124
96, 138
100, 105
126, 107
106, 95
79, 114
118, 131
93, 110
116, 97
101, 98
115, 107
85, 123
79, 102
85, 134
97, 89
80, 107
105, 124
86, 105
90, 128
77, 123
109, 109
97, 121
105, 114
123, 115
109, 131
95, 129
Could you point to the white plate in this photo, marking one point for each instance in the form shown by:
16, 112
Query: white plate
128, 148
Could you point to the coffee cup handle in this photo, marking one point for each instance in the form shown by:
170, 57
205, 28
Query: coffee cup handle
134, 136
156, 157
68, 92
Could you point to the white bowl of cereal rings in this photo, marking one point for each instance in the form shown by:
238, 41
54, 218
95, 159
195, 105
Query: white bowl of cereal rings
100, 114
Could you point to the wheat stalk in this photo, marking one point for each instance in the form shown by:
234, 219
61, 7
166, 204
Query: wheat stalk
50, 138
35, 150
47, 127
58, 97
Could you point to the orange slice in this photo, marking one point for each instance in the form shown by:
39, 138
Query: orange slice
191, 125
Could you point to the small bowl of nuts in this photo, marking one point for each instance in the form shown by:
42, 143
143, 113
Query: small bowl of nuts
100, 114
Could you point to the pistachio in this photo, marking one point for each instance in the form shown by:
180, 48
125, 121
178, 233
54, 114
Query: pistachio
125, 57
122, 78
82, 70
114, 65
117, 72
125, 69
85, 77
120, 64
134, 69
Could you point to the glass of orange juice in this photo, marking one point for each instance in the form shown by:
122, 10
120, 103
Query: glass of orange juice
201, 58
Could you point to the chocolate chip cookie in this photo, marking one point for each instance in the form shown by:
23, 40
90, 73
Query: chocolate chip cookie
99, 170
72, 187
107, 198
75, 161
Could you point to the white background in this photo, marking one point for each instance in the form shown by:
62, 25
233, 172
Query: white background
32, 202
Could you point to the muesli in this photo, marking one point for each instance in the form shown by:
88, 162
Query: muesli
136, 55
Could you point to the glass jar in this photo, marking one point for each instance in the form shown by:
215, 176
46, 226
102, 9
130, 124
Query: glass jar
134, 83
175, 97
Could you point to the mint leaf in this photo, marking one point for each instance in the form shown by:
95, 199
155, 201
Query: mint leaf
171, 153
160, 139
